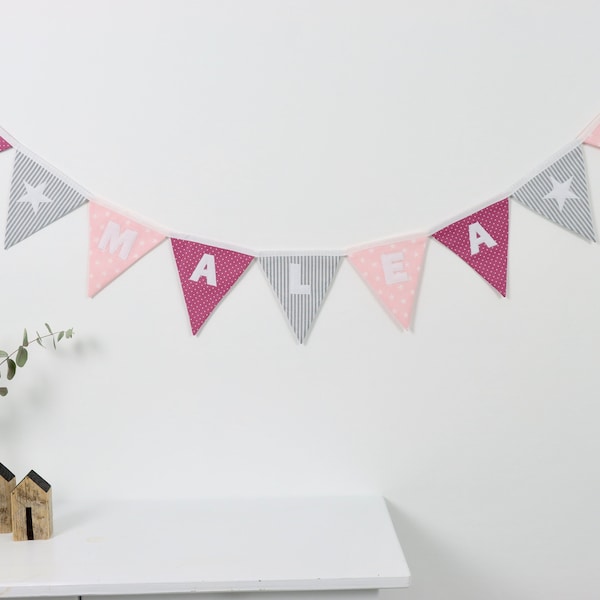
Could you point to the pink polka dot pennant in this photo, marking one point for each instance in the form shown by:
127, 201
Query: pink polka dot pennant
594, 138
481, 240
116, 242
206, 273
393, 272
4, 145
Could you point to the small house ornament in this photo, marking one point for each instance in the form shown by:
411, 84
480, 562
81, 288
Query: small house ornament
7, 485
31, 503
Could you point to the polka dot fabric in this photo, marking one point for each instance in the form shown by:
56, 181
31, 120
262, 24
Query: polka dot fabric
407, 257
490, 262
104, 265
4, 145
200, 297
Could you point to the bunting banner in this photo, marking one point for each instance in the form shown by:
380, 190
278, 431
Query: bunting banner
560, 194
39, 195
116, 242
206, 274
481, 240
300, 283
393, 273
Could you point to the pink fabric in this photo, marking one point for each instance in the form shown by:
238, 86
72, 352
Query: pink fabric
594, 138
393, 272
490, 261
201, 298
106, 264
4, 145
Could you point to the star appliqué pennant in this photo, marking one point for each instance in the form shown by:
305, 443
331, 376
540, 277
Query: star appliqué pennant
559, 193
39, 195
35, 196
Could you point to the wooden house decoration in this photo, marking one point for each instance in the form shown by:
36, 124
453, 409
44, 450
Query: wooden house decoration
7, 485
31, 503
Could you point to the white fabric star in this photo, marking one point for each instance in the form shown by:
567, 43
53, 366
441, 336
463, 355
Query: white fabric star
561, 192
35, 195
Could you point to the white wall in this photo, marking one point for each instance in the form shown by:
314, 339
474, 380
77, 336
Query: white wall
322, 124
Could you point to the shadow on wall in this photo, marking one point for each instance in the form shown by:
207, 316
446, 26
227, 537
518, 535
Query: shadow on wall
435, 567
35, 394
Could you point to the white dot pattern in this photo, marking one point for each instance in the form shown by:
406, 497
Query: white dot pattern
103, 265
4, 145
490, 262
201, 298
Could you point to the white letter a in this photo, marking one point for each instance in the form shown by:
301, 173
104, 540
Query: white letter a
477, 236
205, 268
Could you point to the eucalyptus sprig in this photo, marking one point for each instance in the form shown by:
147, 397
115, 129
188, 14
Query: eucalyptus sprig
22, 354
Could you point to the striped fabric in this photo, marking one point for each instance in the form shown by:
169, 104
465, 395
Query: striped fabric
571, 207
22, 220
316, 276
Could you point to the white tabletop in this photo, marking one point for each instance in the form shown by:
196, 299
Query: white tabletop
320, 543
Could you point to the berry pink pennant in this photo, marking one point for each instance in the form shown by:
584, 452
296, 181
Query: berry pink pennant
393, 272
481, 240
116, 242
4, 145
206, 273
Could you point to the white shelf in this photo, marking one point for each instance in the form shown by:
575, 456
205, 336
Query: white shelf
230, 545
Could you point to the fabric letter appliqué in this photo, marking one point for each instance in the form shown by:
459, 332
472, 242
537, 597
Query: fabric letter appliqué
296, 285
116, 242
206, 274
114, 239
393, 273
477, 236
300, 284
481, 240
393, 268
205, 268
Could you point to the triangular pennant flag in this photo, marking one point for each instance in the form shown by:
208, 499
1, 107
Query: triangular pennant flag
301, 283
393, 272
560, 194
116, 242
206, 273
593, 139
4, 145
481, 240
39, 195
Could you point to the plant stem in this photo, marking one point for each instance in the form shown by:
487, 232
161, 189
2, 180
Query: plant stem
39, 337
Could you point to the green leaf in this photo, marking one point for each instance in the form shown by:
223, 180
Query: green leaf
69, 333
3, 391
25, 340
3, 354
11, 368
48, 327
21, 356
61, 335
54, 342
